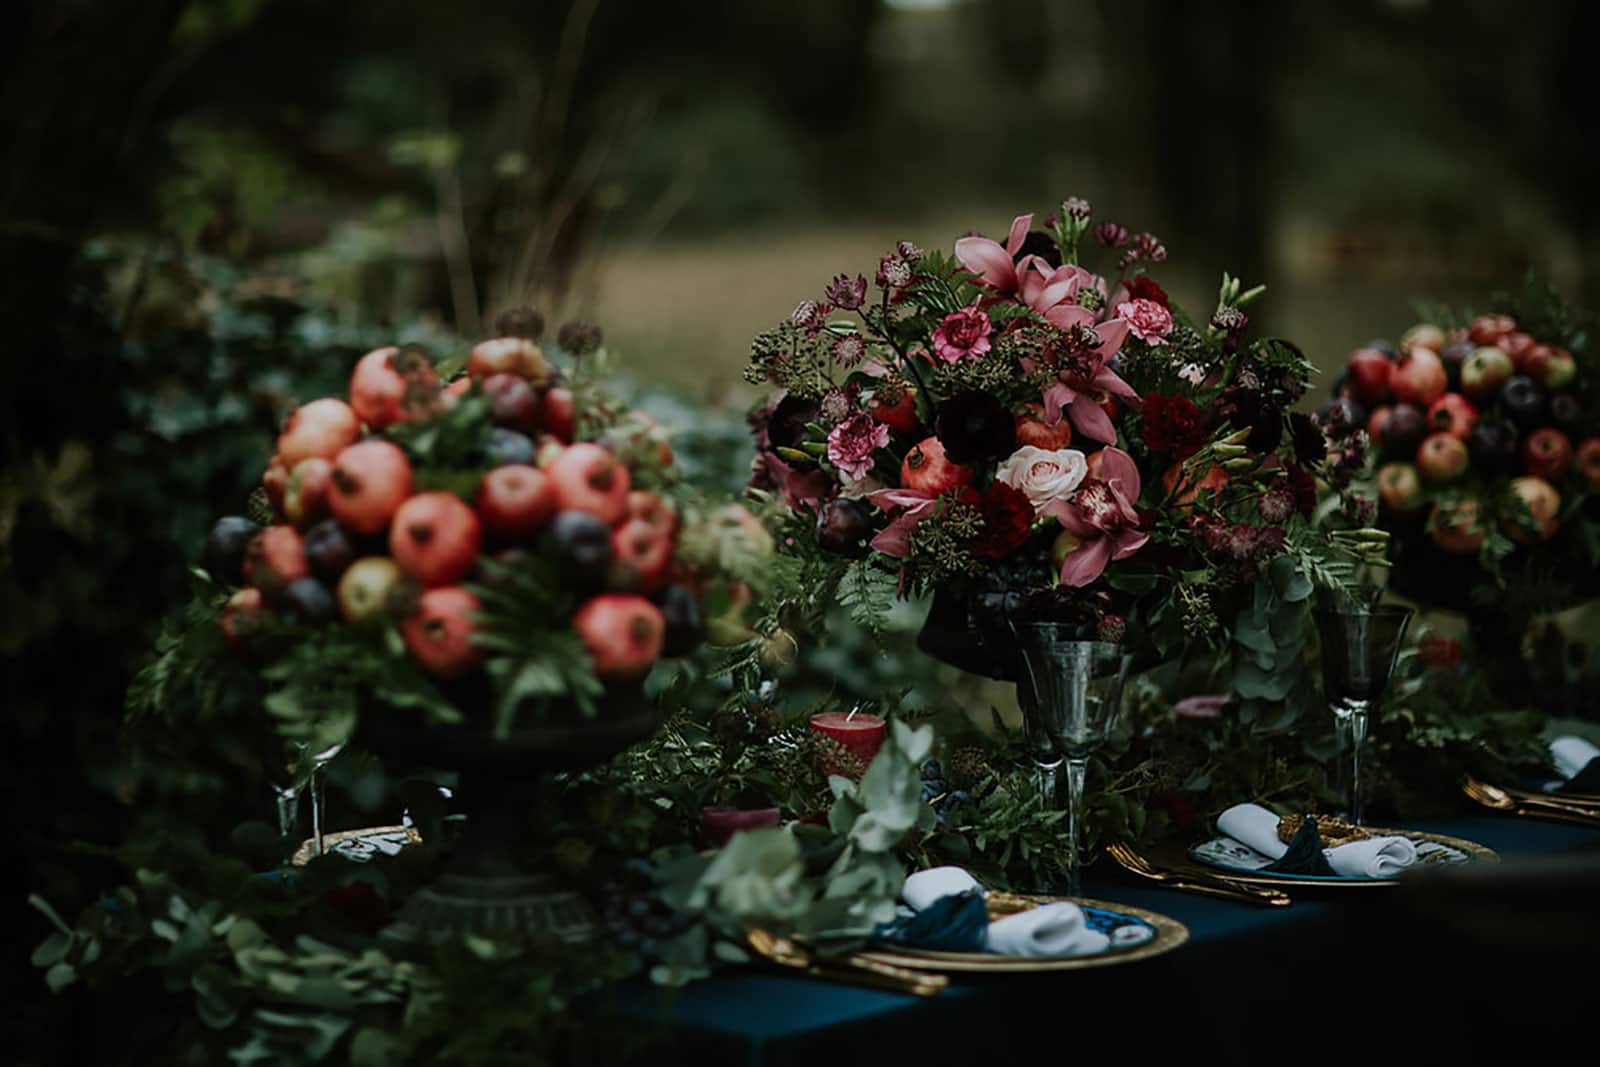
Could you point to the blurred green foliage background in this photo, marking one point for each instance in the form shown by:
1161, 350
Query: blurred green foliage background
209, 207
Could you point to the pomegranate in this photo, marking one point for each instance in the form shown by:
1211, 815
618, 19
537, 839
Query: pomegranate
1032, 430
370, 480
391, 385
1588, 461
1442, 457
622, 632
1424, 335
900, 415
1457, 529
515, 501
928, 471
1543, 503
439, 633
1547, 453
1419, 378
513, 403
643, 504
1368, 375
275, 480
435, 537
560, 414
1452, 414
588, 478
509, 355
1400, 488
321, 428
241, 615
641, 553
1488, 329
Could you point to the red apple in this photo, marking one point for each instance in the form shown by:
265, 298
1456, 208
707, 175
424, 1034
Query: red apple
1588, 461
1400, 488
588, 478
320, 429
1543, 503
643, 504
641, 553
1376, 423
515, 501
1368, 377
241, 615
927, 470
435, 538
1442, 457
370, 481
513, 403
1456, 529
509, 355
275, 558
1554, 368
1424, 335
1547, 453
1418, 378
275, 480
1452, 414
622, 632
1487, 329
439, 633
305, 498
560, 414
1517, 345
901, 415
391, 385
1486, 372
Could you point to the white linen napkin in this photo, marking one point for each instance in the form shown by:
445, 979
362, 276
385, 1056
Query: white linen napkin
925, 887
1058, 929
1570, 755
1376, 857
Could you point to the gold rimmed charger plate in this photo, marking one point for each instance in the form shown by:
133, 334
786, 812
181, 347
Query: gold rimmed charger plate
1169, 934
358, 844
1180, 858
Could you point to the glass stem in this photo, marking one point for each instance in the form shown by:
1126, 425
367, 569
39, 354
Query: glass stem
316, 810
1049, 773
1358, 738
1077, 769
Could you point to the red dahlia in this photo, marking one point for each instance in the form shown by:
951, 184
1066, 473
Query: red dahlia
1007, 515
1144, 288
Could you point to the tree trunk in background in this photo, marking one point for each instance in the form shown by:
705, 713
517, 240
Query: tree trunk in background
1573, 149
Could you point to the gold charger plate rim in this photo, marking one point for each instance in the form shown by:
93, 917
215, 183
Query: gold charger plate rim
1479, 854
1169, 934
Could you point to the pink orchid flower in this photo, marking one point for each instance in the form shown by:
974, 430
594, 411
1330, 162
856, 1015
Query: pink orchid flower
895, 539
994, 263
1078, 386
1101, 515
1051, 292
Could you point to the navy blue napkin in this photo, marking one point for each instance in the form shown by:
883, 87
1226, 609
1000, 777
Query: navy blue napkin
1585, 781
1305, 853
956, 923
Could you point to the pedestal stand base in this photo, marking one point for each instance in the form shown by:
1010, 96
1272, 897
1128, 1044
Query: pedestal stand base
521, 908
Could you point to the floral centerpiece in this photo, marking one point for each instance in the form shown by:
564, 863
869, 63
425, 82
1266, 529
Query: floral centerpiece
1026, 437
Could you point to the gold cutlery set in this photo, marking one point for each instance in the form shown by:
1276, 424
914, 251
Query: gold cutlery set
1582, 810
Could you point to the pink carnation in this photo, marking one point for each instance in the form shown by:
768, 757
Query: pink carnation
963, 334
1147, 320
851, 444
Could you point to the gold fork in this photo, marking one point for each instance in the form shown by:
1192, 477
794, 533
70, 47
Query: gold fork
1196, 882
851, 971
1491, 796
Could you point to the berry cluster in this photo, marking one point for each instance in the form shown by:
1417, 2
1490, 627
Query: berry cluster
635, 913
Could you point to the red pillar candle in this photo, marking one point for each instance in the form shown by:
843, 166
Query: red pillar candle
857, 733
718, 824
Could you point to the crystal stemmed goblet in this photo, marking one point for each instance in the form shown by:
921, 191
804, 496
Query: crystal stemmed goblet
304, 766
1359, 649
1072, 692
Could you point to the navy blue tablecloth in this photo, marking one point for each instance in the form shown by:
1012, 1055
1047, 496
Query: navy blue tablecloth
1252, 985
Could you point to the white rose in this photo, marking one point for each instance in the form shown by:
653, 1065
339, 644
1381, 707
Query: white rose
1044, 476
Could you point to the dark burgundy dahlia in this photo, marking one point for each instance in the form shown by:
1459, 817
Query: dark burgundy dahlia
974, 427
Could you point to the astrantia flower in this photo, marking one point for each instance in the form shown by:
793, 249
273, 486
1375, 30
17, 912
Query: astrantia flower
1111, 235
1229, 320
1112, 629
849, 349
894, 272
846, 292
1075, 207
1044, 476
1007, 517
974, 427
1193, 373
837, 405
1150, 248
1100, 515
1172, 424
908, 251
1276, 503
1147, 320
963, 334
810, 316
851, 444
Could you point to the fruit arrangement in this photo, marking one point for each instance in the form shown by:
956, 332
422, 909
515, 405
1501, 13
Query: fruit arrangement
1486, 437
514, 525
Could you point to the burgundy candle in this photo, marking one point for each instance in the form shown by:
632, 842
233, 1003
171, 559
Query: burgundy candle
857, 733
718, 824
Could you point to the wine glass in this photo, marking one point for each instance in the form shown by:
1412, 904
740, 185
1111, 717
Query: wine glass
305, 771
1359, 648
1076, 693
